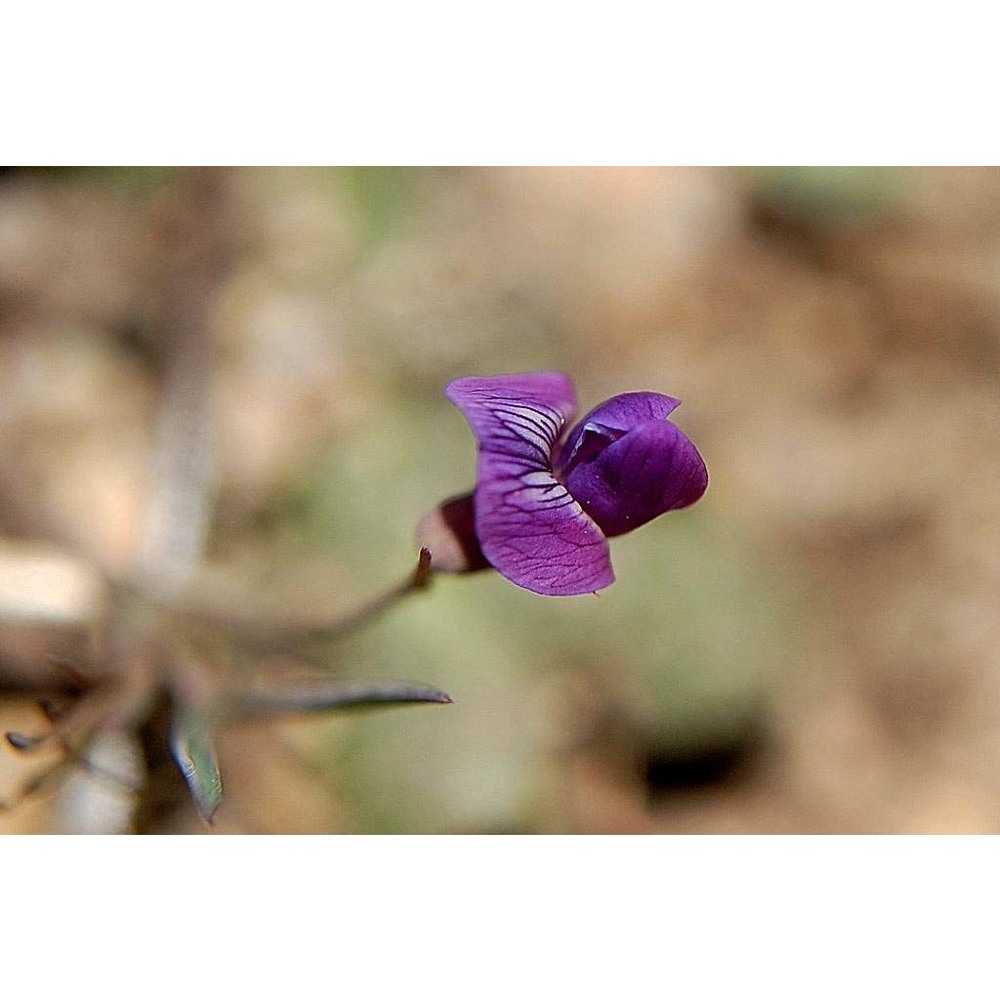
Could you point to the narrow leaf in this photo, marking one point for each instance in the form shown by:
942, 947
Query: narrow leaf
19, 741
192, 749
323, 695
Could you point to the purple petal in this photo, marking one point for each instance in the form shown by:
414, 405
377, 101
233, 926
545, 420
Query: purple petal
647, 471
529, 526
493, 407
606, 423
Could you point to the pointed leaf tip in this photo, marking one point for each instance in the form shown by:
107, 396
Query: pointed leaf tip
322, 696
193, 751
20, 741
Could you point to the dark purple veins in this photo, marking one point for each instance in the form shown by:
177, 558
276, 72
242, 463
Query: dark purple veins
546, 502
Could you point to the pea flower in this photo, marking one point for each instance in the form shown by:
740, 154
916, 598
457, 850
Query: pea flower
545, 502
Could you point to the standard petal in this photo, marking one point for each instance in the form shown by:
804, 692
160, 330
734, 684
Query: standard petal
606, 423
520, 416
649, 470
530, 528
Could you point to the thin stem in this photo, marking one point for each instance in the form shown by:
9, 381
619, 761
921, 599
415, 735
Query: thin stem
277, 638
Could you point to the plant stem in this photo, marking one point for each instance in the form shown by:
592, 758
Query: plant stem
276, 638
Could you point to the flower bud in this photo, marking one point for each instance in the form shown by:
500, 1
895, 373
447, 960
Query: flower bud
449, 531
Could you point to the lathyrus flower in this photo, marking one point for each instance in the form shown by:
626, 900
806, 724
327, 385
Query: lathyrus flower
546, 502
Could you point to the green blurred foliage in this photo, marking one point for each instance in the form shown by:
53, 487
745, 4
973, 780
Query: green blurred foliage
382, 197
828, 193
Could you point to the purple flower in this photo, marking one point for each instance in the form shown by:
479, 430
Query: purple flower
546, 503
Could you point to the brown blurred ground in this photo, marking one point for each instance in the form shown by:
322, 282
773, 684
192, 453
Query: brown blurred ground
814, 648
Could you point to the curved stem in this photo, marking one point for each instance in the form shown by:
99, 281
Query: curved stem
276, 638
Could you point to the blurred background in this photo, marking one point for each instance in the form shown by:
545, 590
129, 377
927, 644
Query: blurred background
812, 648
